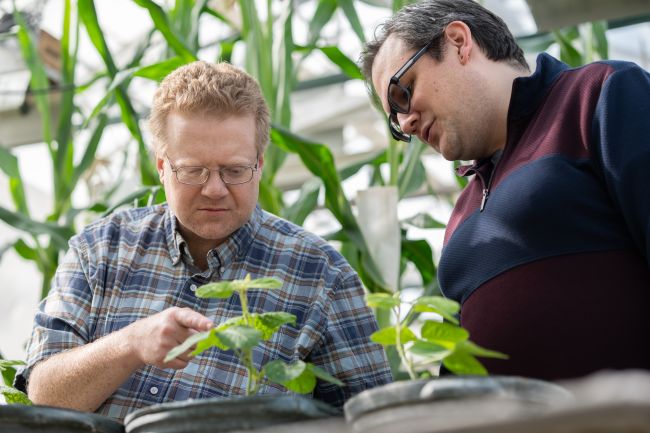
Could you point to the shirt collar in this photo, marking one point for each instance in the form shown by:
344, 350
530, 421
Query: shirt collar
235, 247
529, 92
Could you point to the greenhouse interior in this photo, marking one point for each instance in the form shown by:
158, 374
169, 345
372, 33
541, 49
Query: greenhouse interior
439, 235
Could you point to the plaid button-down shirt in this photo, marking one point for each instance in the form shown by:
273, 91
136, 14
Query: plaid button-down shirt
134, 263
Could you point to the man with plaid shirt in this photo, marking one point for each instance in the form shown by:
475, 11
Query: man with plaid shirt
124, 295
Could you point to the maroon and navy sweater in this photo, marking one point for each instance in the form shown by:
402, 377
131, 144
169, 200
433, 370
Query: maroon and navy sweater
555, 269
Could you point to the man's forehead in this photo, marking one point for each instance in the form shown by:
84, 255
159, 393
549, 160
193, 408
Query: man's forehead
390, 57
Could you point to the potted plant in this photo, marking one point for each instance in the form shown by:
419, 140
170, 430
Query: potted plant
19, 415
240, 334
423, 401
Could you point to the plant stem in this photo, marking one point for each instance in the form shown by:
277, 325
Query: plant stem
243, 298
400, 347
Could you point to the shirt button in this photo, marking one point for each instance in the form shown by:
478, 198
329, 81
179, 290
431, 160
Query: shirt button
193, 287
153, 390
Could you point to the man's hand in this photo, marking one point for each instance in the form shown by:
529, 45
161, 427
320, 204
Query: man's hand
150, 339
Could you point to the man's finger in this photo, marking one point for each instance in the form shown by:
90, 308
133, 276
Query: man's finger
193, 320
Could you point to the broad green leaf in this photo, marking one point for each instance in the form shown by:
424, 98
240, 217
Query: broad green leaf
239, 337
186, 345
88, 15
209, 342
91, 149
262, 283
59, 234
463, 363
412, 174
419, 253
599, 30
382, 300
306, 202
219, 16
324, 375
347, 66
280, 372
9, 164
424, 221
295, 376
431, 351
322, 16
161, 22
447, 308
8, 370
13, 396
568, 53
25, 251
39, 81
158, 71
269, 323
442, 332
476, 350
388, 336
220, 289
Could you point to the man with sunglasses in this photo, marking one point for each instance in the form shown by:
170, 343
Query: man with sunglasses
124, 295
547, 248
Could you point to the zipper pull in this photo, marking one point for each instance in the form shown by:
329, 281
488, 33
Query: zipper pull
485, 196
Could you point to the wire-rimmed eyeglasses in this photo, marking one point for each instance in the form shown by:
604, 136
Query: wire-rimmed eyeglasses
230, 175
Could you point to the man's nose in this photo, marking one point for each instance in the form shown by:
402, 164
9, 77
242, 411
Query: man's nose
215, 186
408, 122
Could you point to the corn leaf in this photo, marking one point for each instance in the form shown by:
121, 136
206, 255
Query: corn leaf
353, 18
347, 66
59, 234
158, 71
161, 22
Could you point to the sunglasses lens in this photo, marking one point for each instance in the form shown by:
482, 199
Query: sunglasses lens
399, 98
396, 129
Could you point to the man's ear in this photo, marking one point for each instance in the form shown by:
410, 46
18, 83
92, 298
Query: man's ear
160, 167
260, 163
459, 37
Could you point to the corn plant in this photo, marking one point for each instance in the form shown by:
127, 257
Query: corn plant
439, 341
243, 333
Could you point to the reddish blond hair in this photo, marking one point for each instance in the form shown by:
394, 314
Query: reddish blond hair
214, 89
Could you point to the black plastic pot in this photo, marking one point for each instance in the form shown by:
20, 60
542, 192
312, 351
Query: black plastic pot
16, 418
226, 414
450, 403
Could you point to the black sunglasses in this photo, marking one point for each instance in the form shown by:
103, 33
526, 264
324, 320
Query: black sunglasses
399, 97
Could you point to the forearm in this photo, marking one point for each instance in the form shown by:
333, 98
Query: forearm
83, 378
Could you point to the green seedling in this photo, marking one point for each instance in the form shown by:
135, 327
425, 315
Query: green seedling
439, 341
242, 333
11, 394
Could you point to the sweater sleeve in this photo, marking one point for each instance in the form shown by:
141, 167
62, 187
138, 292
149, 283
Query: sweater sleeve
621, 131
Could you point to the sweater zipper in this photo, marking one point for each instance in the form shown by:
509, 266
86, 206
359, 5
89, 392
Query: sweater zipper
486, 185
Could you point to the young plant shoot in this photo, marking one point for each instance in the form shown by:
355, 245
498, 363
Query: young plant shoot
440, 341
242, 333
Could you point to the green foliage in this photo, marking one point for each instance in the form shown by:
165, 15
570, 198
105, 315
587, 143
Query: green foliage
243, 333
444, 342
11, 394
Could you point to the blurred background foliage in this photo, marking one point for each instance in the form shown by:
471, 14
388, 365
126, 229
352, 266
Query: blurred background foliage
271, 54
